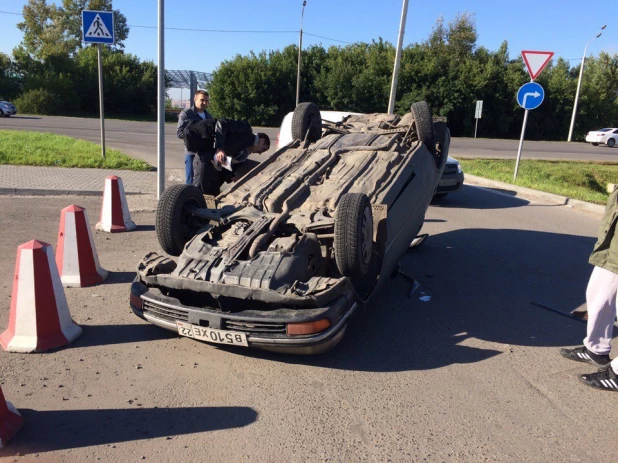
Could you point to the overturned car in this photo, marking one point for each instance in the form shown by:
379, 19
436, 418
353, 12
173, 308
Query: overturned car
282, 259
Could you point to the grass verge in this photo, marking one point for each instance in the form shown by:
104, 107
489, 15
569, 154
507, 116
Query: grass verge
586, 181
24, 148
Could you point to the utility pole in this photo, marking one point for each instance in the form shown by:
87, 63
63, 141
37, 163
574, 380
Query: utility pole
300, 47
402, 30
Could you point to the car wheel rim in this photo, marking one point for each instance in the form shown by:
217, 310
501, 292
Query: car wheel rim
367, 231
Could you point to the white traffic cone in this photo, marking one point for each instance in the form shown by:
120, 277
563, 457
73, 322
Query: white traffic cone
115, 216
10, 421
39, 318
76, 256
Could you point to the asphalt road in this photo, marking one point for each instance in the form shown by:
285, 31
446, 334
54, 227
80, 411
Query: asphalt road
471, 375
139, 139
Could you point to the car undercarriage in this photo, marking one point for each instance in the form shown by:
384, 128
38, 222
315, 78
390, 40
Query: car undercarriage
286, 255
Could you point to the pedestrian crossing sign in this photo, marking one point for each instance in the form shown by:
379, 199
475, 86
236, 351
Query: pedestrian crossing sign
98, 26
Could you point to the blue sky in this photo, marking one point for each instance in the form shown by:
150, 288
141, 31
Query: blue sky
561, 26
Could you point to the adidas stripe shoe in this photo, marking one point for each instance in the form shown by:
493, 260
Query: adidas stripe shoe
604, 379
582, 354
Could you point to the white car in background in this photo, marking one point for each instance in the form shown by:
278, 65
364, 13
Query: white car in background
7, 109
608, 136
452, 177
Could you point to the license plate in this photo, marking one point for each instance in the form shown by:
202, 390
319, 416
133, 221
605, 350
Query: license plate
212, 335
448, 182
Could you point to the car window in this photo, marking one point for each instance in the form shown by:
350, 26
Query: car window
604, 130
616, 131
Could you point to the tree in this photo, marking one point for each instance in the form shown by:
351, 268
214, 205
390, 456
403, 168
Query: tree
10, 82
56, 30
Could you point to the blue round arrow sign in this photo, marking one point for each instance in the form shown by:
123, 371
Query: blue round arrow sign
530, 95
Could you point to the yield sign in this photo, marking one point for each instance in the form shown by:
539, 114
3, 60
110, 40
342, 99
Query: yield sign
536, 61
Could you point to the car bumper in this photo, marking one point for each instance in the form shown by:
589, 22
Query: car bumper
450, 183
9, 112
592, 139
153, 306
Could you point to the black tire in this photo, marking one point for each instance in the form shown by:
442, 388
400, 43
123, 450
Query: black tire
595, 144
424, 125
353, 235
1, 113
611, 142
307, 118
174, 224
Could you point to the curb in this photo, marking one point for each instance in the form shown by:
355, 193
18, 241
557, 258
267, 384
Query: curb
44, 192
534, 195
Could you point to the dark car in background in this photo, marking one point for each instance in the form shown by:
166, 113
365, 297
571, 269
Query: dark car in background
451, 180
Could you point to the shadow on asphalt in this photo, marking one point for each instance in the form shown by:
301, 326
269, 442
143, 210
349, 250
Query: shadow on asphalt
104, 335
50, 430
473, 197
25, 117
145, 228
119, 277
482, 284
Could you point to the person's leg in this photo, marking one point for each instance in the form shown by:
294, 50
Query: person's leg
198, 174
189, 169
601, 302
205, 176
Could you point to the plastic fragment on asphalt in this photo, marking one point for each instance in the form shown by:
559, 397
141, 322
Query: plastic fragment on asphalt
415, 286
424, 298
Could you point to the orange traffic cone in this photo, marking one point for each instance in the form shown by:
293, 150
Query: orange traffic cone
10, 421
76, 255
39, 318
115, 216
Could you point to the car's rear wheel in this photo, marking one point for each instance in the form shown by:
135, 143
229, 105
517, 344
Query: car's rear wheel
1, 113
611, 142
424, 125
353, 235
307, 122
595, 144
175, 225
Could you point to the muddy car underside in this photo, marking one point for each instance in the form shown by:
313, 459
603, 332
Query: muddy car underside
306, 235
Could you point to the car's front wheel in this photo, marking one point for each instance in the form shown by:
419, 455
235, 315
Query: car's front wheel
175, 225
353, 235
611, 142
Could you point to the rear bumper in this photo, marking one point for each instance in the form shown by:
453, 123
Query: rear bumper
164, 311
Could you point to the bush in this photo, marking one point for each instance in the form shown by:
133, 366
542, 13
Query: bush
38, 101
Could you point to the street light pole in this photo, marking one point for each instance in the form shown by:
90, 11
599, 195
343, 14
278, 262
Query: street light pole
579, 82
300, 46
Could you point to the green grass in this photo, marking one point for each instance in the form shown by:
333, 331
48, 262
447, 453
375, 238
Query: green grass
586, 181
47, 149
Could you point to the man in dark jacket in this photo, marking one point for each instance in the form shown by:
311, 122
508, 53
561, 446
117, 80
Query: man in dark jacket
221, 144
197, 113
601, 302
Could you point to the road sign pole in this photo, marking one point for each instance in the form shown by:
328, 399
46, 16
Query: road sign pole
476, 126
161, 106
521, 143
101, 109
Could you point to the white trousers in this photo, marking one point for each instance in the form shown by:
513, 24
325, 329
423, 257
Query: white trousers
601, 301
